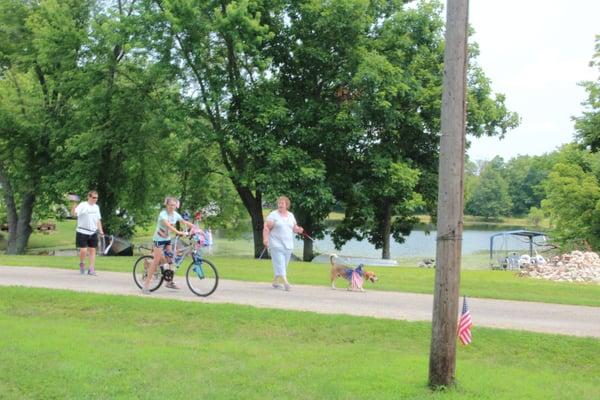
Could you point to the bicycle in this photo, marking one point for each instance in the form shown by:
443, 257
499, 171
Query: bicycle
201, 276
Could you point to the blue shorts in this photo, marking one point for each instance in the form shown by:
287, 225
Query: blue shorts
162, 243
280, 258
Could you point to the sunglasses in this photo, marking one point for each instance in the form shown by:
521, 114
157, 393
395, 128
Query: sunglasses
94, 197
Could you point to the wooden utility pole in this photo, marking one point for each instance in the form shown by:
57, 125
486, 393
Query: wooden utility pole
442, 357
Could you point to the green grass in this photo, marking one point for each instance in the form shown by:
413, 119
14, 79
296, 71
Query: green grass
65, 345
474, 283
64, 235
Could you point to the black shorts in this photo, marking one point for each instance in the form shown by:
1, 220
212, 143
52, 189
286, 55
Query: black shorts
83, 240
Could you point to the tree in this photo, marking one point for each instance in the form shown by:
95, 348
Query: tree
588, 125
219, 51
535, 216
573, 203
383, 205
400, 83
573, 199
489, 197
311, 196
318, 53
471, 177
40, 49
524, 175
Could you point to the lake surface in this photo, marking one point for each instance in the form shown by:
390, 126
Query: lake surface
418, 244
422, 244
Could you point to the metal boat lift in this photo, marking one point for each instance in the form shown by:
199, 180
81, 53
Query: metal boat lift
512, 261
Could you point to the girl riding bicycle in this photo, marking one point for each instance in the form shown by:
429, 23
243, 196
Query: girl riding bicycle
165, 224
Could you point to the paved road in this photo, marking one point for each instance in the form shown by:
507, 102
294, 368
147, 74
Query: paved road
528, 316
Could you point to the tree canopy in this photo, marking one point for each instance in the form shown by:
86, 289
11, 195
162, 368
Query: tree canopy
588, 124
230, 101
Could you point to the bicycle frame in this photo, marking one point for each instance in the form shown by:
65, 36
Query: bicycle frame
193, 249
201, 276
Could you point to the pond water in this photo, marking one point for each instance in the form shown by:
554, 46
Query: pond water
422, 244
419, 244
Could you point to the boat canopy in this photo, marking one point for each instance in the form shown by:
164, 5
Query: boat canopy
523, 233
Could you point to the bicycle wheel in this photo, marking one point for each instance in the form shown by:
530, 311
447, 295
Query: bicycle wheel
202, 279
139, 273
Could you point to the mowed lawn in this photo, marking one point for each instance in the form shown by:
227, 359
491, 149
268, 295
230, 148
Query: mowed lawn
474, 283
66, 345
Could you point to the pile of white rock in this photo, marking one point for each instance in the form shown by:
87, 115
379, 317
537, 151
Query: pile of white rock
576, 266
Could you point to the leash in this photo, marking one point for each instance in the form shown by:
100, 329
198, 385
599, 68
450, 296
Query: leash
315, 246
262, 253
306, 235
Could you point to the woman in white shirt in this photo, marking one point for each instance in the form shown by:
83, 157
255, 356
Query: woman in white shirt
89, 225
278, 237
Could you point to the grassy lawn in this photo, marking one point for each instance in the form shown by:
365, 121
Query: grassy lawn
66, 345
474, 283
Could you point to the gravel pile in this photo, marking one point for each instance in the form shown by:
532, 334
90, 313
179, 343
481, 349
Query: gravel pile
576, 266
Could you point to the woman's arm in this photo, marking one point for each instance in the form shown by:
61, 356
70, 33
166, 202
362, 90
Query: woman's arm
266, 229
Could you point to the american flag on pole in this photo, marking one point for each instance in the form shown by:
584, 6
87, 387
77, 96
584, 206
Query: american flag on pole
464, 324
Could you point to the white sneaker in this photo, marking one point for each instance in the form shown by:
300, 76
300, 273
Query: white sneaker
287, 287
145, 291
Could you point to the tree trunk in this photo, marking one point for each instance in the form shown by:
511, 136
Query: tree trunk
108, 179
11, 208
20, 230
253, 204
19, 223
306, 222
308, 250
386, 231
257, 232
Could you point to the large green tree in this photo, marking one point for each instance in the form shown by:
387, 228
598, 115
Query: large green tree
573, 199
318, 53
219, 50
311, 196
400, 85
572, 188
588, 125
524, 175
41, 45
490, 197
121, 137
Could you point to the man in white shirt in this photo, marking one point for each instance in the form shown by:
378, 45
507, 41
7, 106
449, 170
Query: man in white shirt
88, 227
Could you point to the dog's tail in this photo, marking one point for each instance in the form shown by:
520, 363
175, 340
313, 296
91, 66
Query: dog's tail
332, 258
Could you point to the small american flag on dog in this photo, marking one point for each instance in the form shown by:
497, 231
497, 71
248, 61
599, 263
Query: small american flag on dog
464, 324
355, 276
357, 280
